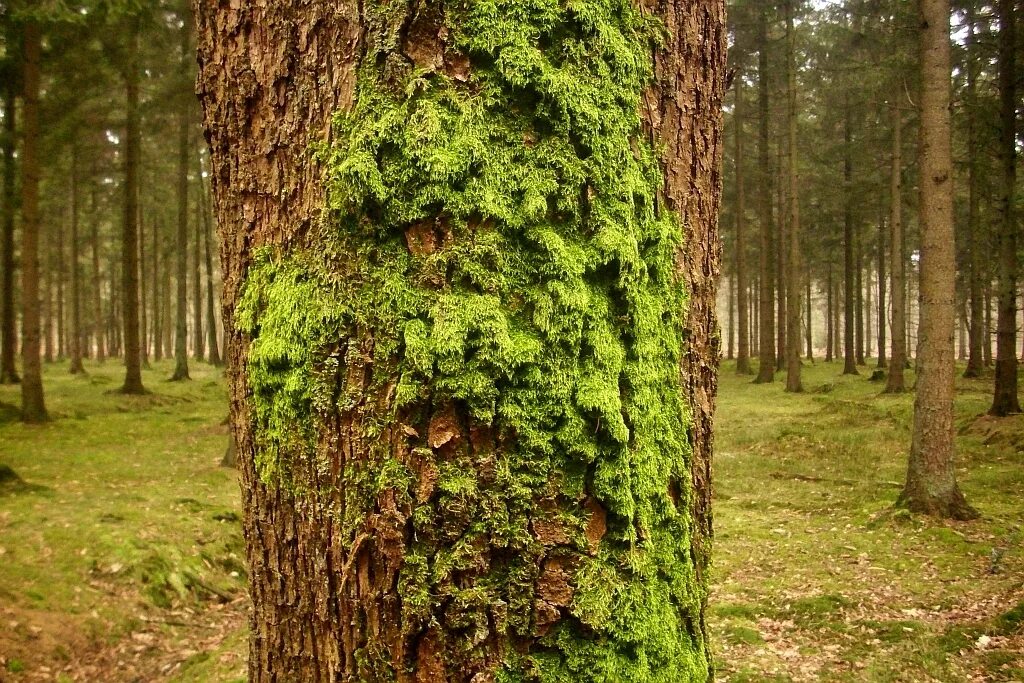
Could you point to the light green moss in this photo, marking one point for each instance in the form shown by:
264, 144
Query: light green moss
545, 306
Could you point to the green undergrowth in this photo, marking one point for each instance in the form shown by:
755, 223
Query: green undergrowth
812, 558
495, 247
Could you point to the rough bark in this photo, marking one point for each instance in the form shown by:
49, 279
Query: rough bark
976, 330
1005, 400
33, 406
897, 261
327, 605
181, 238
793, 266
931, 485
75, 340
766, 254
8, 332
131, 343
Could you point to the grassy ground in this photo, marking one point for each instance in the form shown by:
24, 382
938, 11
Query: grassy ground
120, 554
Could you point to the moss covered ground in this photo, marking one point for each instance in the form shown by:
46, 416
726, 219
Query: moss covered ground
123, 516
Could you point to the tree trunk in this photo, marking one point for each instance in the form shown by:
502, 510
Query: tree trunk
976, 331
829, 327
793, 266
781, 259
99, 322
130, 239
143, 313
76, 274
731, 335
1005, 400
60, 276
894, 383
198, 340
766, 255
33, 407
181, 242
742, 305
849, 262
808, 311
211, 313
8, 332
158, 315
931, 486
449, 556
882, 319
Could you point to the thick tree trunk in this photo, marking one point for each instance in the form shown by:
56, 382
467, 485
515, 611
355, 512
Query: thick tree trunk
1005, 400
931, 486
894, 382
793, 266
33, 407
8, 332
76, 366
181, 237
415, 537
976, 251
766, 254
742, 302
130, 239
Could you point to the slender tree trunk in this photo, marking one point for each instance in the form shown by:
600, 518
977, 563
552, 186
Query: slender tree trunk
976, 332
766, 255
130, 239
376, 606
869, 309
742, 305
46, 272
181, 247
882, 318
211, 315
99, 322
33, 407
836, 309
1005, 400
931, 486
858, 288
987, 340
793, 266
60, 276
829, 327
8, 331
76, 273
809, 326
157, 265
849, 262
144, 327
782, 257
897, 262
198, 340
961, 331
731, 335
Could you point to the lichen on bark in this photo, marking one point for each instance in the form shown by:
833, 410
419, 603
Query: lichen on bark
494, 293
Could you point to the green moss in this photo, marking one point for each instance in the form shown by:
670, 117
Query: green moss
496, 243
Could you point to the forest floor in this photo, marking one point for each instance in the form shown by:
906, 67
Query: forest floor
121, 552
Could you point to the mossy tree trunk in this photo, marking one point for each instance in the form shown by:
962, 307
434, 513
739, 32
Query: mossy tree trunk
931, 485
454, 283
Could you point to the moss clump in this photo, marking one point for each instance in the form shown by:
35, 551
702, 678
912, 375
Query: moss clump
497, 245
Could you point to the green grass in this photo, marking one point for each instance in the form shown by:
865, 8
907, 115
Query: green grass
123, 523
811, 556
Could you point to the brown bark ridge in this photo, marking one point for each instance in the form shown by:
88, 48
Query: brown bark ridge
931, 485
132, 344
766, 254
33, 407
326, 605
742, 305
894, 382
8, 333
1005, 400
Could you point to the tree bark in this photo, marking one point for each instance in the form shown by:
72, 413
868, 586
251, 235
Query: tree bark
368, 601
781, 257
931, 485
829, 326
766, 254
793, 266
157, 266
211, 314
976, 331
894, 382
76, 366
33, 406
8, 332
849, 262
131, 343
1005, 400
181, 242
882, 319
198, 340
99, 322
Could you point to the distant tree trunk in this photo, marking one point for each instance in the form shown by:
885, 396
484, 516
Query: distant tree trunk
143, 299
897, 261
793, 265
8, 332
157, 298
809, 326
99, 322
76, 273
755, 312
211, 315
375, 605
61, 274
882, 319
869, 309
849, 262
829, 326
33, 407
742, 305
198, 340
987, 300
781, 258
961, 330
976, 332
181, 246
130, 239
858, 289
836, 310
731, 336
766, 254
46, 272
1005, 400
931, 486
